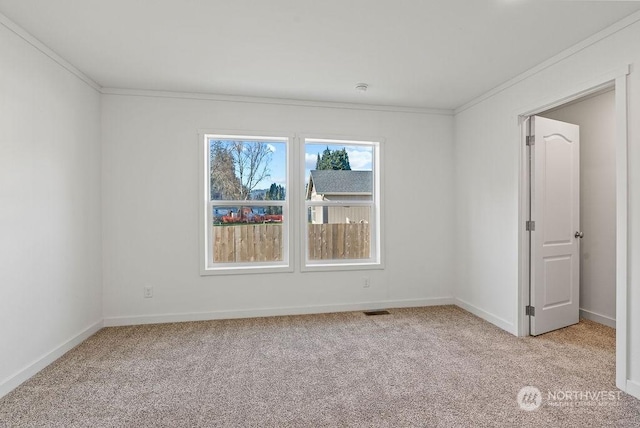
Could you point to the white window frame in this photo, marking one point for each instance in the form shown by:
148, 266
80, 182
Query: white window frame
376, 261
207, 266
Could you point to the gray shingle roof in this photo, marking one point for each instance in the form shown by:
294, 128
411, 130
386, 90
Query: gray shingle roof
328, 181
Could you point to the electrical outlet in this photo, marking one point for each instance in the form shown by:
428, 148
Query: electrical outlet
148, 292
365, 282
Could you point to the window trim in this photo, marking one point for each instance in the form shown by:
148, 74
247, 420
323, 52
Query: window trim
205, 204
377, 231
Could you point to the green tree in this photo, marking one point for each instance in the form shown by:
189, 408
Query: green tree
333, 159
276, 192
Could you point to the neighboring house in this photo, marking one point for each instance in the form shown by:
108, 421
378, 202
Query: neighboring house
339, 185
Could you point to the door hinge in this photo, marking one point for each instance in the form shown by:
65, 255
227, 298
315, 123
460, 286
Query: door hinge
531, 140
530, 226
530, 310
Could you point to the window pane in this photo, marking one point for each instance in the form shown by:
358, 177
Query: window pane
336, 172
339, 232
243, 234
241, 169
340, 175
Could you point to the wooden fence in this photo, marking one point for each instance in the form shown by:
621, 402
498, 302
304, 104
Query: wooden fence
339, 241
247, 243
263, 242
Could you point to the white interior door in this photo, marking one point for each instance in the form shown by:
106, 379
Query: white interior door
555, 211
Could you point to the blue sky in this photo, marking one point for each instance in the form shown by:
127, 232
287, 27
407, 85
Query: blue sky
277, 167
360, 158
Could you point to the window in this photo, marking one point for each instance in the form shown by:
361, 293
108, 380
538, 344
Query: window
246, 208
342, 203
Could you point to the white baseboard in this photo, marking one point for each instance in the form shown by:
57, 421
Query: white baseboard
595, 317
13, 381
9, 384
493, 319
269, 312
633, 388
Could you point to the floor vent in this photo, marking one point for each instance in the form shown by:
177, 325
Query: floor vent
370, 313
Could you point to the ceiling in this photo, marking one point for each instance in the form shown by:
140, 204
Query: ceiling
416, 53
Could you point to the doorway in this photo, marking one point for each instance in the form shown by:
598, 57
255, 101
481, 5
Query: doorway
616, 81
595, 115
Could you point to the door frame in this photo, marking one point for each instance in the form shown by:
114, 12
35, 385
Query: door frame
616, 80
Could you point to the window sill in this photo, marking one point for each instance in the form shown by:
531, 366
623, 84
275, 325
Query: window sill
245, 270
329, 267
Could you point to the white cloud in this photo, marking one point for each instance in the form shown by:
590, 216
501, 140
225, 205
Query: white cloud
310, 160
360, 159
271, 147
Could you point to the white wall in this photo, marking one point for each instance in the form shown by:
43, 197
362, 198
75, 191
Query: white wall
596, 118
466, 198
50, 279
487, 157
151, 203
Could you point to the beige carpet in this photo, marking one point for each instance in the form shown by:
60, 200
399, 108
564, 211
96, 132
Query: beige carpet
430, 367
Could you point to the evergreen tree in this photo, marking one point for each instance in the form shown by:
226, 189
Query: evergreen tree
336, 159
276, 192
341, 160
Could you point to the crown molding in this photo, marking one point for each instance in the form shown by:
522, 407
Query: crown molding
567, 53
27, 37
276, 101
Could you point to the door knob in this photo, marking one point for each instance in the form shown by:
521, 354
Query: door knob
579, 234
